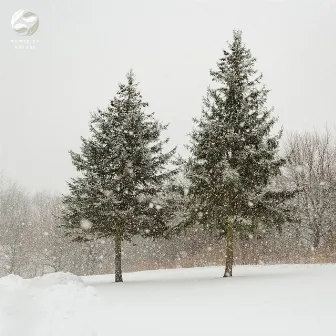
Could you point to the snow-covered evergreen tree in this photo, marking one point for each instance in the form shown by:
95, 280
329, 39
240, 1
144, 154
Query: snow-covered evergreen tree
123, 173
234, 156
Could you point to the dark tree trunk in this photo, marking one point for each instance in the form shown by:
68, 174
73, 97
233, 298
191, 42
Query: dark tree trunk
317, 235
229, 251
117, 256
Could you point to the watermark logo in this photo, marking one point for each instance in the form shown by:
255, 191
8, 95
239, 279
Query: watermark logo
25, 22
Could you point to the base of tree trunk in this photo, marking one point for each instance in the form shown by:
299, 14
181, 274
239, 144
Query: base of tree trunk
229, 252
118, 278
117, 256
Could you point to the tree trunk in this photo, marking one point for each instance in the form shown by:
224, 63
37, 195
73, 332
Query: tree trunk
317, 236
229, 251
117, 256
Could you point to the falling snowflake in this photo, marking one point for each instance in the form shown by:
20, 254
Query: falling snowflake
299, 169
324, 184
85, 224
107, 193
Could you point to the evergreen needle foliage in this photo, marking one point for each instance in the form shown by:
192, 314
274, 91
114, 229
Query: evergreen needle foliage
124, 171
234, 156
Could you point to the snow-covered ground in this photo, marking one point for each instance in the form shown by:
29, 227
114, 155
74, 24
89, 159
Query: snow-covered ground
258, 300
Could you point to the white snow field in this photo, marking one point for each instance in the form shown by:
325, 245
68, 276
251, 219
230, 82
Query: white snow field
258, 300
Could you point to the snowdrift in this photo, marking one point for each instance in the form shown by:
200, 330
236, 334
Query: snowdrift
54, 304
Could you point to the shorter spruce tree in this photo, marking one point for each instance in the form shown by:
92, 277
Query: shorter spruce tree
123, 174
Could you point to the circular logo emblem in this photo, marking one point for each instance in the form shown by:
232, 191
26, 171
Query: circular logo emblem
25, 22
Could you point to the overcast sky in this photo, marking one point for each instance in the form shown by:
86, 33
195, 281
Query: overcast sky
86, 47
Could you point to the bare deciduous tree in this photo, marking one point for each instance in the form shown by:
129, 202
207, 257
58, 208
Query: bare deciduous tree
312, 169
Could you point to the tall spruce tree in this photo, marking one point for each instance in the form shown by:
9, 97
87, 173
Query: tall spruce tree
234, 156
123, 172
